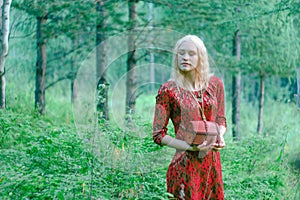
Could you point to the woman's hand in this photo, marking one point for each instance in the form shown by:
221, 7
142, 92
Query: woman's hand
220, 140
200, 147
203, 149
220, 143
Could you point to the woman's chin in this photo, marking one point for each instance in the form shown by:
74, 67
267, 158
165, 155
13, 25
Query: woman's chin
185, 68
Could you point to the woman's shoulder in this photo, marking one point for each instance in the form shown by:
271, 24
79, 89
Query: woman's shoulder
215, 83
215, 80
167, 86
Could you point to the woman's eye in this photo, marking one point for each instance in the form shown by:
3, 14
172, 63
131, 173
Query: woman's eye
192, 53
181, 52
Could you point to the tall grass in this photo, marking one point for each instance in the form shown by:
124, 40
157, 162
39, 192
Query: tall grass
48, 157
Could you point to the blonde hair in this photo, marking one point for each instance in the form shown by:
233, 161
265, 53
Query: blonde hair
202, 71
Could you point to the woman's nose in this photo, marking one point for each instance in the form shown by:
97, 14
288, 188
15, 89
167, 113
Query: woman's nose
185, 56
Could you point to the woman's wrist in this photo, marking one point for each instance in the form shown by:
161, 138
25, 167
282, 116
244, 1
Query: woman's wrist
189, 147
193, 148
222, 130
177, 144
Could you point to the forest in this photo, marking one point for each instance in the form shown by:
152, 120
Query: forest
78, 81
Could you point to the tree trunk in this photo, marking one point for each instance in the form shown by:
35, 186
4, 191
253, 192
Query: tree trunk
102, 84
74, 71
261, 103
40, 67
152, 66
298, 86
250, 95
236, 90
73, 89
4, 33
131, 60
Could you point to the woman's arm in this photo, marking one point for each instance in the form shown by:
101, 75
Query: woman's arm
222, 130
161, 115
182, 145
177, 144
220, 141
221, 118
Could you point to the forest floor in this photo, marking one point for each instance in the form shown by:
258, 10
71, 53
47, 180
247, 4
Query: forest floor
46, 157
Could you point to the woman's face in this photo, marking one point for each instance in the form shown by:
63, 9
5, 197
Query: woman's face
187, 56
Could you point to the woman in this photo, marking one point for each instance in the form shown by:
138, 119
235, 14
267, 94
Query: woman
195, 171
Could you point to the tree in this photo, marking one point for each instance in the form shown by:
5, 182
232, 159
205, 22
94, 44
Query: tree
152, 68
298, 87
37, 9
53, 24
74, 69
102, 84
76, 28
41, 63
271, 35
261, 103
4, 33
131, 59
236, 85
236, 89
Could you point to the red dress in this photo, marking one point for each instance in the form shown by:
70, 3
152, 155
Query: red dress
190, 177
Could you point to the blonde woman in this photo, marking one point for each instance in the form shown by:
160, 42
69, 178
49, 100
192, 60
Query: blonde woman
195, 170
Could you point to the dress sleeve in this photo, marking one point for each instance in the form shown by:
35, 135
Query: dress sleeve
221, 118
161, 114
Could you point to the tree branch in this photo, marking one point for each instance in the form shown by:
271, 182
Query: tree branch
68, 76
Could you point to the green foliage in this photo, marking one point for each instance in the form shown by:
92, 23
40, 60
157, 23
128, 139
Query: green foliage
40, 160
277, 26
252, 170
48, 158
264, 167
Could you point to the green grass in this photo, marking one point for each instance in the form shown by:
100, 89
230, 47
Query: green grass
48, 157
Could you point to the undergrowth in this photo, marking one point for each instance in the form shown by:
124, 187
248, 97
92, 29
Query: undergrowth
47, 158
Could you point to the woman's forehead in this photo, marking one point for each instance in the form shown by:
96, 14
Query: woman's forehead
187, 45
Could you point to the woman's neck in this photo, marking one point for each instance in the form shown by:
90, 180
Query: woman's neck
190, 78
